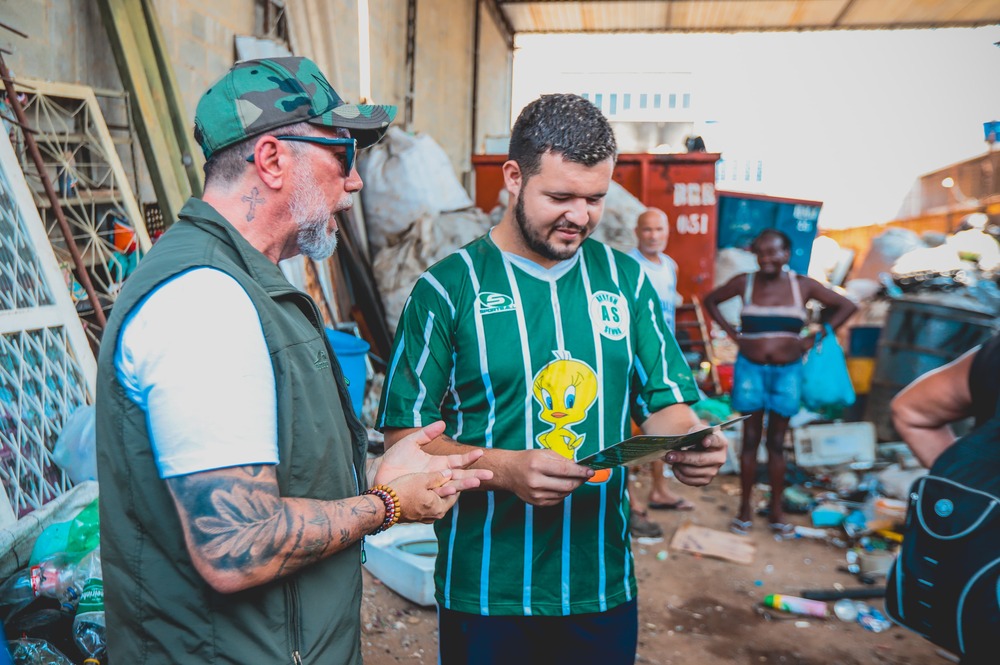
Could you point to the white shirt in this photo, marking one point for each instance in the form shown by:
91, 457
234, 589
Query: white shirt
663, 277
192, 356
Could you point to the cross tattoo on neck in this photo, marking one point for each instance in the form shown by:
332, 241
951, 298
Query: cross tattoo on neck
253, 199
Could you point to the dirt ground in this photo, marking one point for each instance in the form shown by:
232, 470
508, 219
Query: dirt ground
695, 610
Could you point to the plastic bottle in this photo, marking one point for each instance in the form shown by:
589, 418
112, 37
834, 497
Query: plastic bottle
29, 651
17, 590
89, 625
75, 537
796, 605
871, 619
53, 577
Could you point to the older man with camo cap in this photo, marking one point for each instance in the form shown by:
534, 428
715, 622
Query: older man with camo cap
232, 468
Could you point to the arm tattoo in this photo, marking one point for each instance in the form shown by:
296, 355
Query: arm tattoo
366, 507
237, 522
235, 519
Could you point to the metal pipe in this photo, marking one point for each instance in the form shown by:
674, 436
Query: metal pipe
50, 192
14, 30
411, 58
476, 33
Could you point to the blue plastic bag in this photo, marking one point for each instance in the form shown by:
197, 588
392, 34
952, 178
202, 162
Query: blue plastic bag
825, 381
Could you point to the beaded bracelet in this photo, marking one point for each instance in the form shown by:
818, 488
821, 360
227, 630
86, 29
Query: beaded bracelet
393, 507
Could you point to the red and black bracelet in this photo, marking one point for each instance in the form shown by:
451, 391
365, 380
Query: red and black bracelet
393, 507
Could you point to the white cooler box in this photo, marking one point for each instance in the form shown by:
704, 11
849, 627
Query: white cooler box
833, 444
402, 558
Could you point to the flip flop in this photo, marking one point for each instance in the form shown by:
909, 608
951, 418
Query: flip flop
740, 527
782, 528
679, 504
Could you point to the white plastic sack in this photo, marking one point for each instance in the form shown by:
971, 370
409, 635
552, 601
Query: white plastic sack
429, 240
76, 448
884, 250
407, 176
621, 210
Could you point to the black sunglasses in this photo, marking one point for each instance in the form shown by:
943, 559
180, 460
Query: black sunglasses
350, 148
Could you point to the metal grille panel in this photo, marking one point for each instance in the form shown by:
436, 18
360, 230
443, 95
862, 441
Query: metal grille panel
40, 385
21, 281
47, 368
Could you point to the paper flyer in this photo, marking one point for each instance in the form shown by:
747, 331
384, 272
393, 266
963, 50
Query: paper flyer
646, 448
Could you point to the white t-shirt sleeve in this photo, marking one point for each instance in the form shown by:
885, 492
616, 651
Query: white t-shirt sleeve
193, 357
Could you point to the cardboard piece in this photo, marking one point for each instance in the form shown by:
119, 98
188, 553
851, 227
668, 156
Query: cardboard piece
716, 544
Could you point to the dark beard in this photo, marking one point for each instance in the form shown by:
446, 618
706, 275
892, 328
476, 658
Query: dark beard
535, 241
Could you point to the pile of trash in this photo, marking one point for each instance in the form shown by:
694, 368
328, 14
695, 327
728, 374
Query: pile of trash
53, 610
965, 265
856, 503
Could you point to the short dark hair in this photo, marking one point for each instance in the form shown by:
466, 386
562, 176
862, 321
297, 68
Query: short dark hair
562, 124
786, 242
227, 165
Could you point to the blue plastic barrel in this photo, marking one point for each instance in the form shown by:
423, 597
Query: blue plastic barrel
351, 352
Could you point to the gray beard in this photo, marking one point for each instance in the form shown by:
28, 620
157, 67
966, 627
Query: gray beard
309, 211
315, 241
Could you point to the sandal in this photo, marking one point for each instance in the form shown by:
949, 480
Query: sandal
642, 527
782, 528
740, 527
680, 505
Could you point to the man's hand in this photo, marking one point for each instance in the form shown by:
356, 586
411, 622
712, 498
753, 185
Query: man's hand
407, 456
698, 467
426, 497
540, 477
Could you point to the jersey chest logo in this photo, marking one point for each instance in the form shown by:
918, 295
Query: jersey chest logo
493, 303
609, 314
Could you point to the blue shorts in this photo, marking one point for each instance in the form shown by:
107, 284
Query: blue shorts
604, 638
773, 388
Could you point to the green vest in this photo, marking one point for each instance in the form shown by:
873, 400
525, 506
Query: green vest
159, 609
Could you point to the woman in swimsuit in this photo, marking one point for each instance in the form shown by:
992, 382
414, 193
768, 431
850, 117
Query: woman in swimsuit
768, 374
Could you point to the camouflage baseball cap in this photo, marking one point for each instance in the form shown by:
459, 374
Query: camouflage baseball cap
257, 96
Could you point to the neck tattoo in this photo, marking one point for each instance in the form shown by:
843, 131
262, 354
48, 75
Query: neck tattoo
253, 199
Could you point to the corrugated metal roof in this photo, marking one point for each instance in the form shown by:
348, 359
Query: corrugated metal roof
742, 15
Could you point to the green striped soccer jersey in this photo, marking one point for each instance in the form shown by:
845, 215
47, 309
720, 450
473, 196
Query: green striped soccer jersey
516, 359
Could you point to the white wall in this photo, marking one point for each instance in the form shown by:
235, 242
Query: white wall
494, 82
848, 118
442, 105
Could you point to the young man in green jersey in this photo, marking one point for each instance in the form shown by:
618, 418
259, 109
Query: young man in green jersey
534, 343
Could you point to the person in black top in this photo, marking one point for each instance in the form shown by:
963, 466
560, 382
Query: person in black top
967, 387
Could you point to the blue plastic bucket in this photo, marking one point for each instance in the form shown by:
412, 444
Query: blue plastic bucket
351, 352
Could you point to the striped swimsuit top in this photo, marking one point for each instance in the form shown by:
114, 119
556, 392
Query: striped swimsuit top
766, 321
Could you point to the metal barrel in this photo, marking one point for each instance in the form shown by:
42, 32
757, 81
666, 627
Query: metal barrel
919, 335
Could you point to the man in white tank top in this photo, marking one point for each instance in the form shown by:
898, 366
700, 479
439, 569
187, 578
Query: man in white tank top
652, 231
